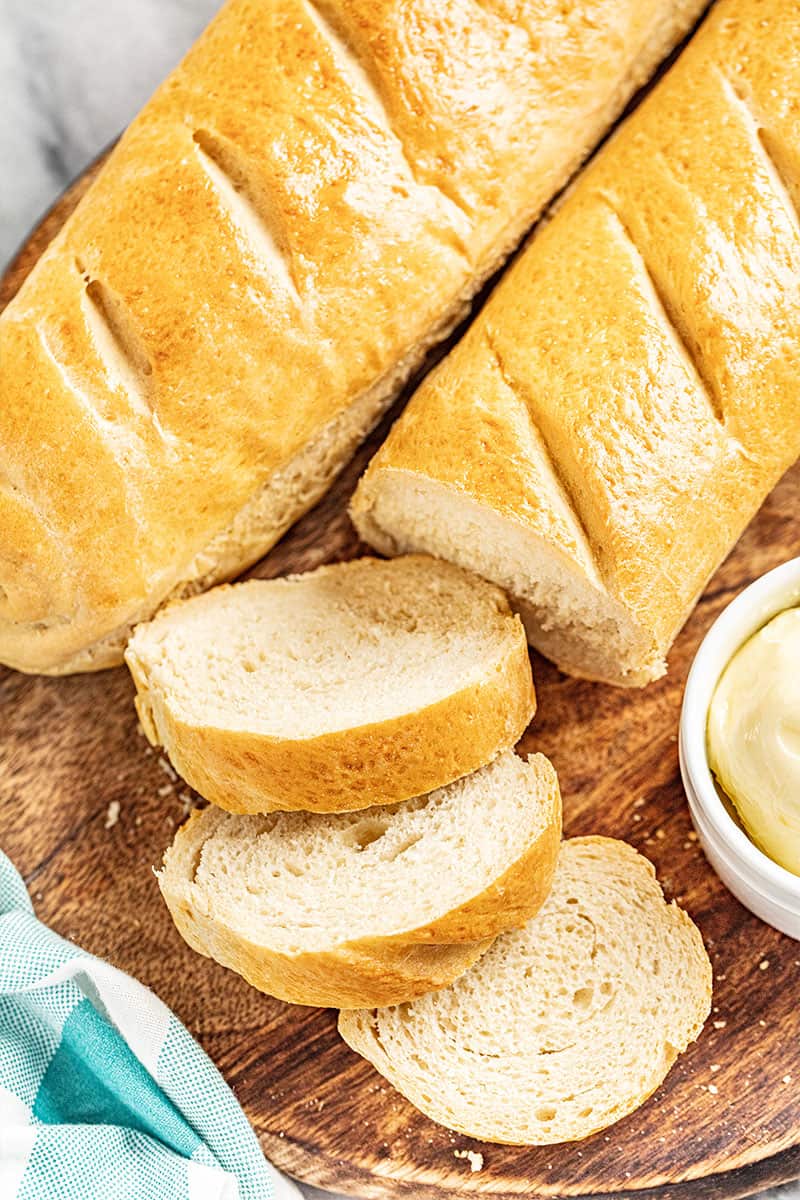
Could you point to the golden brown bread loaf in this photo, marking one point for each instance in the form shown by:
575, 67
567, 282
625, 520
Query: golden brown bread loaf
631, 392
304, 207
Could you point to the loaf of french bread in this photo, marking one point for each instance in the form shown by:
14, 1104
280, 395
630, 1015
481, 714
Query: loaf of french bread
304, 208
631, 392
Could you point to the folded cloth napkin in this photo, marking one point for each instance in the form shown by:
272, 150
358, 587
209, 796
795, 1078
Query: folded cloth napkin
104, 1095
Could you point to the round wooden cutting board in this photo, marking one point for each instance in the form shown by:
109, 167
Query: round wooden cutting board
727, 1120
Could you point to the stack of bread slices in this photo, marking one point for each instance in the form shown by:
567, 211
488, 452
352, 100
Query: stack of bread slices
375, 844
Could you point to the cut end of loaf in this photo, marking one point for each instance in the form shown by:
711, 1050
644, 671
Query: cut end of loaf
561, 1028
568, 617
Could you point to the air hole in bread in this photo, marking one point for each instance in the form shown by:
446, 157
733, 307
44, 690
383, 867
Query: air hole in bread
545, 1113
583, 997
365, 833
194, 864
405, 845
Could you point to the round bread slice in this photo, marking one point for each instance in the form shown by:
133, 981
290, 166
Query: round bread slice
374, 907
562, 1027
363, 683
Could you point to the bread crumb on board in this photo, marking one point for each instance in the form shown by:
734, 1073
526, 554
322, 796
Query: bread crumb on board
112, 814
473, 1157
168, 769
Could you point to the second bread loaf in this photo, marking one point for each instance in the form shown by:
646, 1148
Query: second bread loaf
630, 393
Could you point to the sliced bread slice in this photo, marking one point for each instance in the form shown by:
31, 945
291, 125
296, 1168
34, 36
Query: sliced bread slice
563, 1027
363, 683
372, 907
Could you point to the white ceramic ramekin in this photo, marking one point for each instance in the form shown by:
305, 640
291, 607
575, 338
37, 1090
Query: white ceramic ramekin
767, 889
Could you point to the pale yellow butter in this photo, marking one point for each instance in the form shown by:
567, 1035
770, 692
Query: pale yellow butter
754, 737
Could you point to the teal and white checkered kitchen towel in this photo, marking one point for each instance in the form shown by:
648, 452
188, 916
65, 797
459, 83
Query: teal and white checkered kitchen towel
104, 1095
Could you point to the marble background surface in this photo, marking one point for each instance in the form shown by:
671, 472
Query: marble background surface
74, 72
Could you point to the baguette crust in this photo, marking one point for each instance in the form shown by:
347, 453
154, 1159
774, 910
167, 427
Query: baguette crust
190, 362
343, 978
383, 762
629, 395
377, 970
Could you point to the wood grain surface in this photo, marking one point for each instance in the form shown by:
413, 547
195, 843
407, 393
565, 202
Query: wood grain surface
70, 752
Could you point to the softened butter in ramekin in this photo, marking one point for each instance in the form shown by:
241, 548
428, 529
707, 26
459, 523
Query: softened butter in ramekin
754, 737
